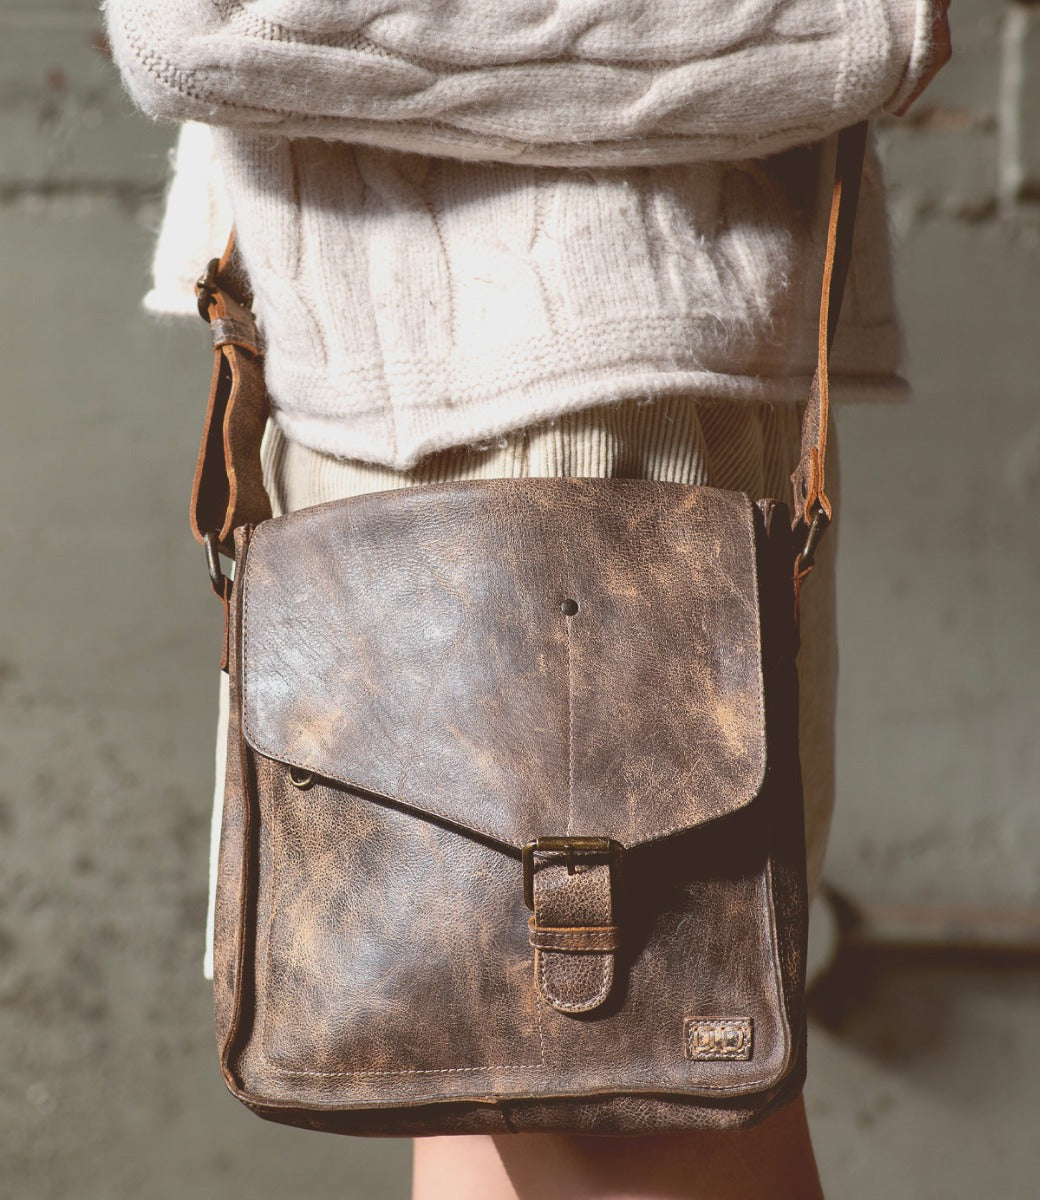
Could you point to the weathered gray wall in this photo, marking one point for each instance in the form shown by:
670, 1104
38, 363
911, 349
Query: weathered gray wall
940, 754
921, 1082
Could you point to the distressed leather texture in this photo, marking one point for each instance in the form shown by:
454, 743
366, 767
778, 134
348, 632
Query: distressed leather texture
412, 659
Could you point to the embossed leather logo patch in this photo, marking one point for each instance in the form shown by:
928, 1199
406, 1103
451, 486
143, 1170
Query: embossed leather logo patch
717, 1039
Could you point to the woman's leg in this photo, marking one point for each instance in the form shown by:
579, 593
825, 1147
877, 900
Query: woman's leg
771, 1161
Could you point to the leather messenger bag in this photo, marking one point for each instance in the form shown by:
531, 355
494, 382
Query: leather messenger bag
512, 834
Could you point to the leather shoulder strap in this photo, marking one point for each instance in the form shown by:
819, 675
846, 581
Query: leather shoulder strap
229, 487
812, 507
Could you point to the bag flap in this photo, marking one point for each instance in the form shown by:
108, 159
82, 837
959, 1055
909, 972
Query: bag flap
520, 658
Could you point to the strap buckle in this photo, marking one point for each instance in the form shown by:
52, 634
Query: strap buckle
206, 287
597, 847
211, 543
817, 527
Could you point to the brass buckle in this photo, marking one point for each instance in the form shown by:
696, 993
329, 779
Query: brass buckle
597, 847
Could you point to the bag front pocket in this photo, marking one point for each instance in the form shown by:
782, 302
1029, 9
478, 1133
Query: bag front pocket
388, 943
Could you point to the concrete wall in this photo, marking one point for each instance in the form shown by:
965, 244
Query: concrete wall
921, 1079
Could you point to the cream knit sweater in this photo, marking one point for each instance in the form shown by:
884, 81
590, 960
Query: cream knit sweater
463, 216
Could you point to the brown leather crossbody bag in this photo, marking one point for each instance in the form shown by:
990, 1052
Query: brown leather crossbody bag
512, 834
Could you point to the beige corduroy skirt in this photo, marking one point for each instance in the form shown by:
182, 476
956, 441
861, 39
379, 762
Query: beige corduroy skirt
738, 446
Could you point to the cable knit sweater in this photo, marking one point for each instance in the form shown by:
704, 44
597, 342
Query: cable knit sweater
462, 216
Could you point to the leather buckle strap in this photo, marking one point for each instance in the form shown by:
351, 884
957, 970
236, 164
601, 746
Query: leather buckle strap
570, 884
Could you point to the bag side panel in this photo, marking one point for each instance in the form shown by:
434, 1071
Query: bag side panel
233, 924
787, 874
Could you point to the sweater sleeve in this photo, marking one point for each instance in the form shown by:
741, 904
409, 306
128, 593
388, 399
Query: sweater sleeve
195, 225
553, 82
